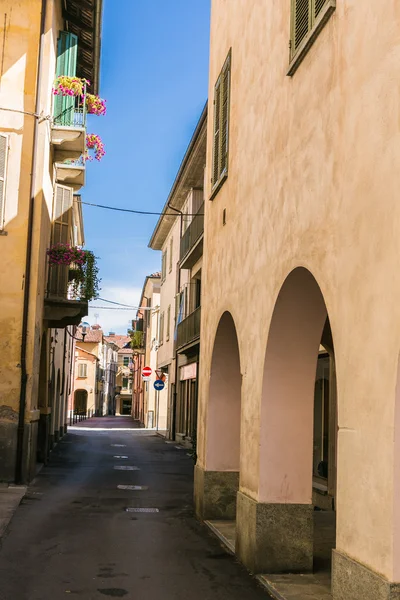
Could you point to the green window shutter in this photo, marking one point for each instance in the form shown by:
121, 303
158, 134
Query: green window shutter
67, 57
3, 168
217, 127
301, 21
225, 93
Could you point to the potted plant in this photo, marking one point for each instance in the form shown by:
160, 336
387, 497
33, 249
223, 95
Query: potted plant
65, 254
95, 105
94, 142
70, 86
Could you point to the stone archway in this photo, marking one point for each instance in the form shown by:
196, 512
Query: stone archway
218, 483
285, 494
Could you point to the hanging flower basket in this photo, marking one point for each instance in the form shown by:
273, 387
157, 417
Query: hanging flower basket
94, 142
64, 254
95, 105
69, 86
83, 271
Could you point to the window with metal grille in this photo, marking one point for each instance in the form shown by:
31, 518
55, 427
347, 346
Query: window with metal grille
307, 19
221, 126
3, 168
82, 370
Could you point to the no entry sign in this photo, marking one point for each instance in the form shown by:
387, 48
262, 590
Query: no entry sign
146, 372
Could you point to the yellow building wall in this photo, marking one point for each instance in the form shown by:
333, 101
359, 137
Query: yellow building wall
21, 37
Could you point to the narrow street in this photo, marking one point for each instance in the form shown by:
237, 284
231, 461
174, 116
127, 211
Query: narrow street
73, 536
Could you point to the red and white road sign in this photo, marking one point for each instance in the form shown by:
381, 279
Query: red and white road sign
146, 372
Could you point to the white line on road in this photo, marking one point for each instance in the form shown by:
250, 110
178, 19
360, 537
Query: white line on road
126, 468
132, 487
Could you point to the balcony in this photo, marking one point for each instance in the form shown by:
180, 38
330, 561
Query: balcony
62, 306
68, 130
71, 173
189, 329
192, 241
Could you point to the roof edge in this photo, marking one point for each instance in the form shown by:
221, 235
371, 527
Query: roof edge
183, 164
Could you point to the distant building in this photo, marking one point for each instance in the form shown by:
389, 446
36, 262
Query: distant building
180, 240
123, 399
151, 412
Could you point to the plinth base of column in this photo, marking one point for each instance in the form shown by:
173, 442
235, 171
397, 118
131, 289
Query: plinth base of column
274, 538
215, 493
353, 581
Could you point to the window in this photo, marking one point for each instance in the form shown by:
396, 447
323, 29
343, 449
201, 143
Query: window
171, 245
126, 361
3, 168
168, 322
125, 383
307, 19
161, 332
221, 126
164, 266
82, 370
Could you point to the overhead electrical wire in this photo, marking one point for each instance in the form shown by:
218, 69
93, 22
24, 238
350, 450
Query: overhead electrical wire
141, 212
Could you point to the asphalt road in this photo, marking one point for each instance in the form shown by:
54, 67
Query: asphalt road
73, 537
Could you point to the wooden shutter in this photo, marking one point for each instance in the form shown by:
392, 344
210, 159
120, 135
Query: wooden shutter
225, 93
217, 127
61, 233
171, 246
221, 123
163, 266
161, 334
318, 6
168, 321
301, 19
67, 56
3, 167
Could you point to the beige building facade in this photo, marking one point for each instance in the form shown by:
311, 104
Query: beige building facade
36, 197
179, 236
300, 263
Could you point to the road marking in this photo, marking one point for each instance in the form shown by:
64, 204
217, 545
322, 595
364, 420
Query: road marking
132, 487
126, 468
142, 510
179, 447
118, 445
117, 456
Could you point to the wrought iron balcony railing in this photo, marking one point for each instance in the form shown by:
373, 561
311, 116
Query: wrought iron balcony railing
192, 233
70, 111
189, 329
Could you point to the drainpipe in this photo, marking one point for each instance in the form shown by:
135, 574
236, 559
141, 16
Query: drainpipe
175, 396
24, 336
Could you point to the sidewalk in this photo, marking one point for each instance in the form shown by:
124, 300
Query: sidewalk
106, 423
10, 498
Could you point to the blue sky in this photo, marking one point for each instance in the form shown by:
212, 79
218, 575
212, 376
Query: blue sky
154, 72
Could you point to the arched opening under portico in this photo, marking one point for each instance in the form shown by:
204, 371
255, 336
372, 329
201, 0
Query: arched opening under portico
217, 485
297, 468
